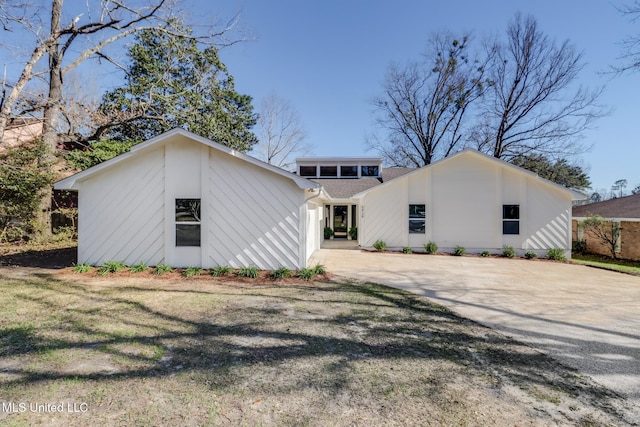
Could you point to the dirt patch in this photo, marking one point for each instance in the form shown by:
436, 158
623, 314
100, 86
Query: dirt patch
146, 350
49, 257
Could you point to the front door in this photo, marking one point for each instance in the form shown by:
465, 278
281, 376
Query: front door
340, 221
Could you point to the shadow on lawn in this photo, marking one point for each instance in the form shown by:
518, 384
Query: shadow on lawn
46, 258
373, 323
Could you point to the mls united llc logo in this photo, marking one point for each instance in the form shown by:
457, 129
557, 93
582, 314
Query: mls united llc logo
67, 407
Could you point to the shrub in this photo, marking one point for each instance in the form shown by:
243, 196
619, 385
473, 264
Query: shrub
407, 250
280, 273
431, 248
138, 268
328, 232
508, 252
485, 253
82, 268
192, 271
320, 269
111, 267
530, 255
579, 246
162, 268
353, 233
221, 270
306, 273
459, 250
251, 272
556, 254
380, 246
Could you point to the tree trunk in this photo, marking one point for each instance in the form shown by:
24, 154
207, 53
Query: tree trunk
51, 112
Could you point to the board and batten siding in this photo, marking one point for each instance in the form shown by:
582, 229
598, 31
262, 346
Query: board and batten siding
122, 213
463, 196
254, 217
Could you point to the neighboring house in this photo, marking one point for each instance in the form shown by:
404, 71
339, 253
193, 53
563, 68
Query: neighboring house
20, 130
626, 211
182, 200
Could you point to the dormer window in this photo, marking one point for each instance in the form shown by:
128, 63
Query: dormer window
370, 171
308, 171
349, 171
328, 171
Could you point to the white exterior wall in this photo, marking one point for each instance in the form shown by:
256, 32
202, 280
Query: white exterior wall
121, 213
464, 197
384, 215
256, 218
250, 216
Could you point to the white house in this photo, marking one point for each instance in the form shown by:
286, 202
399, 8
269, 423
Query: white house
182, 200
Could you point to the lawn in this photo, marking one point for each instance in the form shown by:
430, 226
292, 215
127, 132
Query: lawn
143, 350
599, 261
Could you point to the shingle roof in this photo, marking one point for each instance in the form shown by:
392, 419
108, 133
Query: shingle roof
622, 207
344, 188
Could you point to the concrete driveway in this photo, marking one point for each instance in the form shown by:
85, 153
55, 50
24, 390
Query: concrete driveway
585, 317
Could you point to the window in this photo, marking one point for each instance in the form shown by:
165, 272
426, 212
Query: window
348, 171
307, 171
328, 171
187, 222
417, 219
510, 219
369, 170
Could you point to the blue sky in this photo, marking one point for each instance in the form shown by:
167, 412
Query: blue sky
329, 57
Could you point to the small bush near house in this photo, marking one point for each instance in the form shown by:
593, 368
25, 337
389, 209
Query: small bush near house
353, 233
407, 250
508, 252
306, 273
556, 254
380, 246
328, 232
221, 270
111, 267
320, 269
485, 253
82, 268
459, 250
579, 246
530, 255
431, 248
138, 268
280, 273
251, 272
192, 271
160, 269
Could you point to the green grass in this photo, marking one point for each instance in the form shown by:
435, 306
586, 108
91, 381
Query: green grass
111, 267
280, 273
220, 271
306, 273
192, 271
138, 268
82, 268
621, 265
160, 269
251, 272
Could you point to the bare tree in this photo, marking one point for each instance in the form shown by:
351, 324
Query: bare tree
605, 231
530, 106
630, 56
67, 45
424, 104
281, 136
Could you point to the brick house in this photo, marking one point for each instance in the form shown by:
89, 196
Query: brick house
626, 211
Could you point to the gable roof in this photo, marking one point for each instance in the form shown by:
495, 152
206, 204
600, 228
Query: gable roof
71, 182
576, 195
622, 207
345, 188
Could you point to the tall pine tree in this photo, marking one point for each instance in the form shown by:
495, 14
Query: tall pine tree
173, 82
